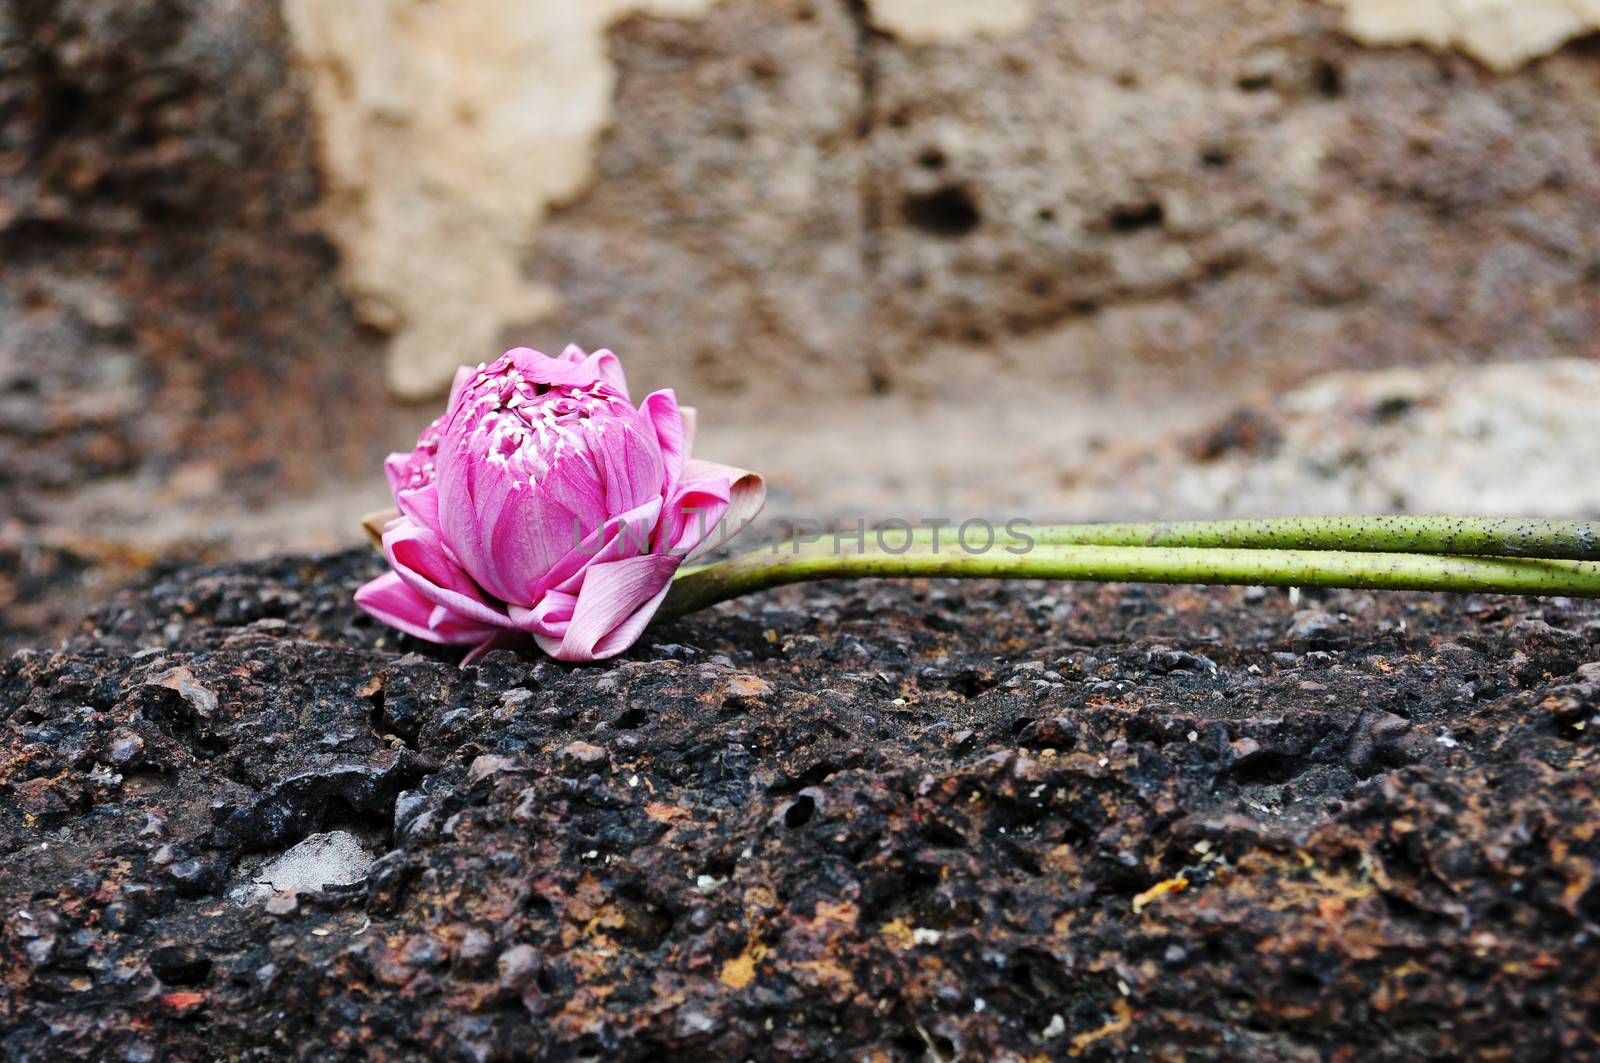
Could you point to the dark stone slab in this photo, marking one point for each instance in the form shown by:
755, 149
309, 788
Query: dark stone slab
913, 820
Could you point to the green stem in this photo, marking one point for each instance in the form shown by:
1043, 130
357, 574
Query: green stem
1574, 540
1472, 536
709, 584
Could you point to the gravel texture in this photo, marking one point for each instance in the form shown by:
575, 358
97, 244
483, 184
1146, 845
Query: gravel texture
887, 820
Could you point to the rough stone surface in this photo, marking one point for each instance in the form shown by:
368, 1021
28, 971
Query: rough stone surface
163, 286
446, 130
809, 191
868, 821
1223, 191
723, 238
1500, 440
170, 324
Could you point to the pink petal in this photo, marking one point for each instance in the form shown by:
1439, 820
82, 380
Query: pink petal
565, 371
693, 514
549, 617
542, 369
419, 558
395, 469
606, 365
629, 460
459, 523
617, 600
421, 504
625, 535
533, 528
389, 599
463, 377
660, 410
504, 532
513, 532
706, 485
534, 531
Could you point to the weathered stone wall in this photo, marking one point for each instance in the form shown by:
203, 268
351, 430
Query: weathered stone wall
1215, 188
1502, 33
173, 340
446, 130
167, 300
725, 239
887, 193
880, 189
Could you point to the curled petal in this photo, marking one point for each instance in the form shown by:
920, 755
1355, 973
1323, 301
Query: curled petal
712, 505
552, 372
625, 535
573, 369
421, 561
691, 418
606, 365
390, 600
549, 617
694, 515
463, 377
617, 600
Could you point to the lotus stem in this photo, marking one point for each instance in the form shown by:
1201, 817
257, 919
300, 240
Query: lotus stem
707, 585
1574, 540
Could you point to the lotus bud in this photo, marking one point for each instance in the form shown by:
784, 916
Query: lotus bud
545, 504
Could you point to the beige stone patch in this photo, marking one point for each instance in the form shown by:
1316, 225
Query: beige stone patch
337, 858
949, 21
1503, 34
446, 131
1513, 439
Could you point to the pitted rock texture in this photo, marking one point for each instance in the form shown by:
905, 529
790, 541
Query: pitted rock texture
447, 128
894, 821
1221, 191
730, 189
1502, 439
165, 290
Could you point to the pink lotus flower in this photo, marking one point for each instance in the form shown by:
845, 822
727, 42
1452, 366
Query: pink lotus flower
545, 504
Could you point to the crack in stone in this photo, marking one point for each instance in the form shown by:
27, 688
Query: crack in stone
866, 43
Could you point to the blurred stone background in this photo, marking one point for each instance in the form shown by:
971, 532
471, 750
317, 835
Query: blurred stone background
1063, 258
